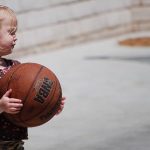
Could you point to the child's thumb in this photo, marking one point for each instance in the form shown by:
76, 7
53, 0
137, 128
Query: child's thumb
8, 93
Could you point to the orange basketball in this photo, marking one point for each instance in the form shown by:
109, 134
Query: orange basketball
38, 88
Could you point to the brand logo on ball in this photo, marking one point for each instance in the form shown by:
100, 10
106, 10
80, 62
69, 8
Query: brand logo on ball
43, 88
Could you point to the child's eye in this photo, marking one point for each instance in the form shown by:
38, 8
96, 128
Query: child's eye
12, 31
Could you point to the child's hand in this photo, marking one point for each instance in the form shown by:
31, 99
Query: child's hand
61, 106
10, 105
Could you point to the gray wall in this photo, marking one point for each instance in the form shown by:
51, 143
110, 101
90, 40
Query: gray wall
49, 24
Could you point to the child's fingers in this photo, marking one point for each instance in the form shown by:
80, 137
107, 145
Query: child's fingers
15, 105
63, 98
61, 107
12, 105
14, 100
62, 103
14, 110
58, 112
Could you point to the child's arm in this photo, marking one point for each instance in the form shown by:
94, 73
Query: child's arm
10, 105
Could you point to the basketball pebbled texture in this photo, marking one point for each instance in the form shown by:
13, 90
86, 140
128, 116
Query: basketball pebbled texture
38, 88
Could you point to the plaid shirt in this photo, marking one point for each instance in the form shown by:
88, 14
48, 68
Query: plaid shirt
9, 131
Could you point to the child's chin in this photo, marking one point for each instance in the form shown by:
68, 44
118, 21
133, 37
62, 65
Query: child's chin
8, 52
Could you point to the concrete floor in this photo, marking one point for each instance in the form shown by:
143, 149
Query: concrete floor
108, 98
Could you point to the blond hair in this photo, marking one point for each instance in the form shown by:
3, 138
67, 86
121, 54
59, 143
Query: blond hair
6, 12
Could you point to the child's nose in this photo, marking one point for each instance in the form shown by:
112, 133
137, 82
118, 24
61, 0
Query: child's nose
15, 38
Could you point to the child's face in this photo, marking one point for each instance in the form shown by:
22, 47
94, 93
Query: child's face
7, 37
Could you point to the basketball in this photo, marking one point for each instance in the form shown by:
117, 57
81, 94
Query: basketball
38, 88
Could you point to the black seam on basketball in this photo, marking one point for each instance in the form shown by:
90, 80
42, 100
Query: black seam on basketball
33, 83
10, 81
19, 115
53, 107
12, 76
45, 106
30, 89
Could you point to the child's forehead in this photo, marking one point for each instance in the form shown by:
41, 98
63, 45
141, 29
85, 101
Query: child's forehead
9, 23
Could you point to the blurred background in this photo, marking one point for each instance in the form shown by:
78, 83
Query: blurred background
99, 50
51, 24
